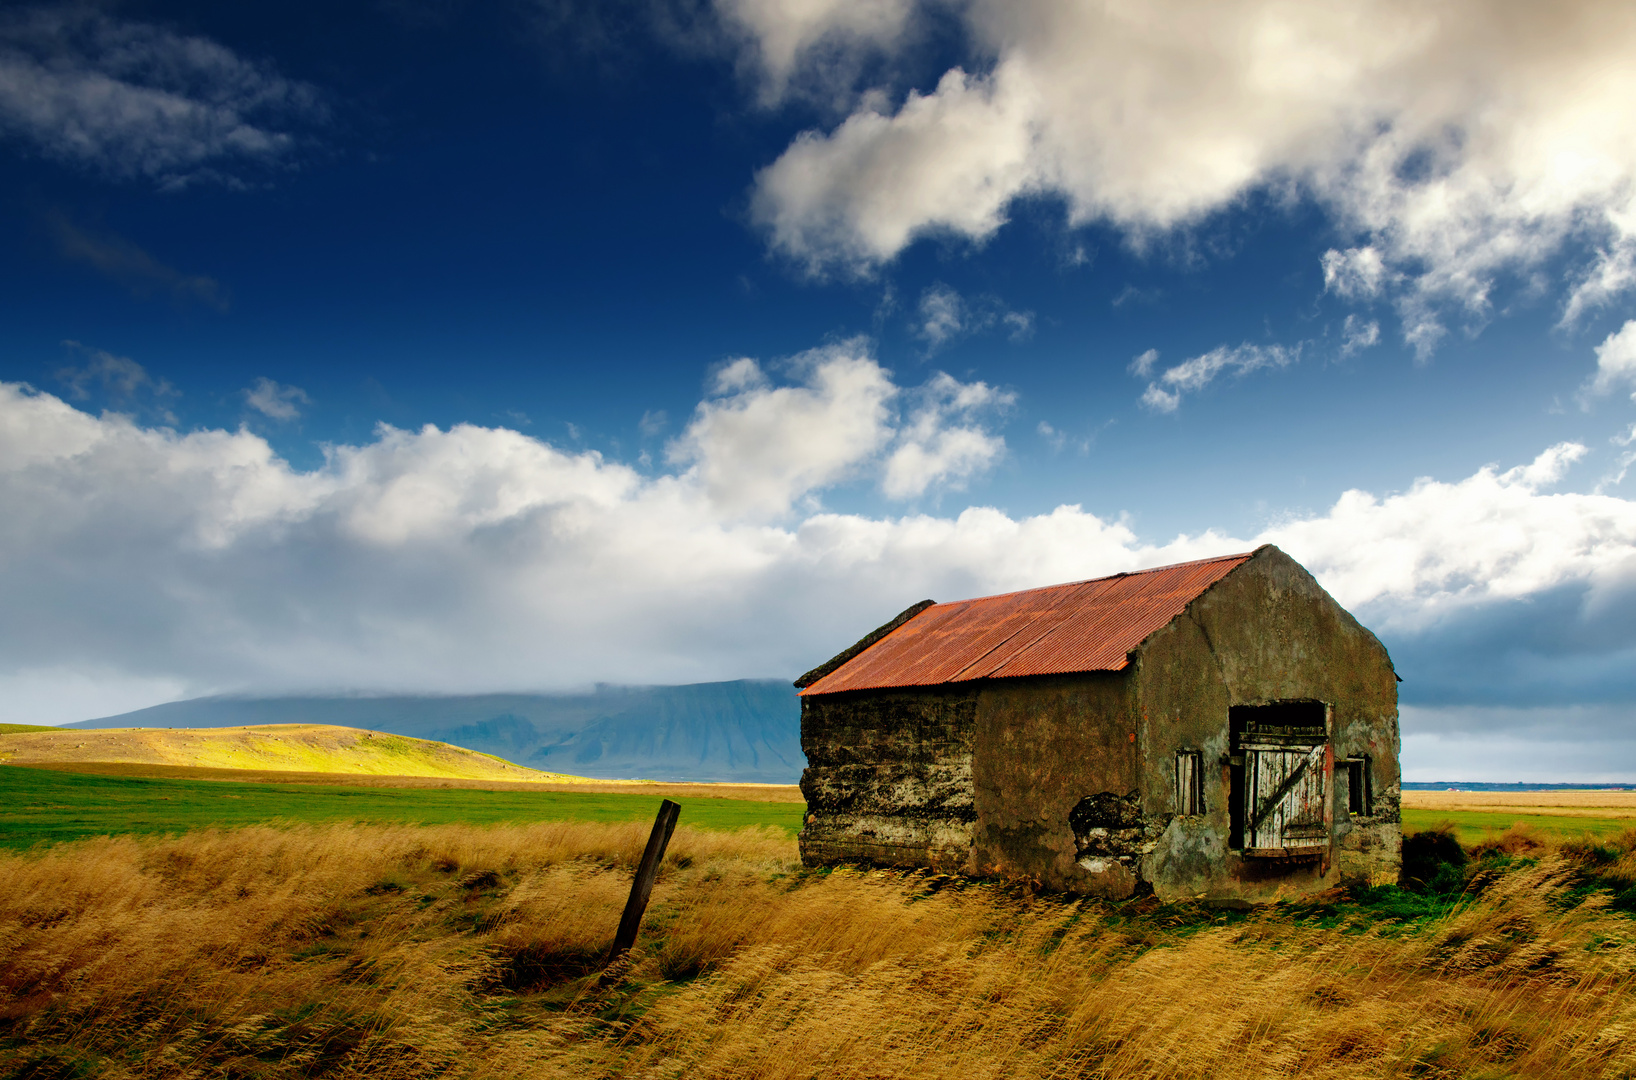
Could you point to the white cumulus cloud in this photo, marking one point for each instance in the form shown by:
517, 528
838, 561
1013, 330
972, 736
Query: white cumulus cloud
945, 162
1496, 535
813, 44
943, 441
1456, 143
1615, 360
476, 557
756, 447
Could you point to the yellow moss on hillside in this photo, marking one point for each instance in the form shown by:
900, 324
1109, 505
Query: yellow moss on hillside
313, 748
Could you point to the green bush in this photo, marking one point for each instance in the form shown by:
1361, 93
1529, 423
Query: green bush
1433, 861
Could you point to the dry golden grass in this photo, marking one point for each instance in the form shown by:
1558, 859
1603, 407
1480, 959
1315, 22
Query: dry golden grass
413, 951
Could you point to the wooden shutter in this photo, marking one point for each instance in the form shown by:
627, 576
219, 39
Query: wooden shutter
1360, 799
1189, 782
1285, 799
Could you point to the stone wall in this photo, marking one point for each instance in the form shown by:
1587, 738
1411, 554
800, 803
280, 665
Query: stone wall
888, 778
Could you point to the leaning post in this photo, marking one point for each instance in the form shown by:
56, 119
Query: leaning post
642, 887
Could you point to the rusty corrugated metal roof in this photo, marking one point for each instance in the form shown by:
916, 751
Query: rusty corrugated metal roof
1060, 629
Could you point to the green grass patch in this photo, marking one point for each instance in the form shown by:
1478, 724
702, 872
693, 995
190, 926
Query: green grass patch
42, 805
1474, 826
19, 729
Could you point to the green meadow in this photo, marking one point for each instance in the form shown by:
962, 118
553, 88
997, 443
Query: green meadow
1474, 826
42, 805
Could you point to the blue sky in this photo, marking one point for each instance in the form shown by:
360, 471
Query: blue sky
740, 325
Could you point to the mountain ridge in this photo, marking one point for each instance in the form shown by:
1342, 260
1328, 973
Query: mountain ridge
745, 730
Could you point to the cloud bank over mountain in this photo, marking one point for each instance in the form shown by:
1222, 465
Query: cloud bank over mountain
144, 563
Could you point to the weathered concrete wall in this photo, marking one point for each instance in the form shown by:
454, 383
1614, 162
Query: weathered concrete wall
1046, 749
1266, 633
889, 777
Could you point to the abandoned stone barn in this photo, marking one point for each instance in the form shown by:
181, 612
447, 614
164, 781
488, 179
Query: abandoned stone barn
1220, 728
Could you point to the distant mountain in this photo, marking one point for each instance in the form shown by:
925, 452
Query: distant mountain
749, 731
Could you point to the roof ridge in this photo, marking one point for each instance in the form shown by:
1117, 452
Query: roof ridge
1076, 626
1109, 577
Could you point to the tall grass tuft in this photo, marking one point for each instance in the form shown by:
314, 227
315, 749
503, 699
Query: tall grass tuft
476, 952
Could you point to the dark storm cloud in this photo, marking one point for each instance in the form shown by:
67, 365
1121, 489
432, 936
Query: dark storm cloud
1562, 646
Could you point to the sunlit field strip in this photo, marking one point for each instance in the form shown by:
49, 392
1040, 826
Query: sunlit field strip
1615, 803
750, 792
1474, 826
48, 805
45, 805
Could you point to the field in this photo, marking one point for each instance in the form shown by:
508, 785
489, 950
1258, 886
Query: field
67, 801
1556, 814
397, 951
51, 805
282, 930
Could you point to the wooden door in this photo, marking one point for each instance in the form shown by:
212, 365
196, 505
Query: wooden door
1286, 799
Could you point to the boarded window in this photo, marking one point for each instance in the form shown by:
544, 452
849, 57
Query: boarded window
1190, 782
1280, 801
1359, 787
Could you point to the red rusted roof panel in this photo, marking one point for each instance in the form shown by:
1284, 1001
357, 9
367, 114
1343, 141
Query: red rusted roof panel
1082, 626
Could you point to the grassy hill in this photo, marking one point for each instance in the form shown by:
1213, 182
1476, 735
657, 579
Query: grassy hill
311, 748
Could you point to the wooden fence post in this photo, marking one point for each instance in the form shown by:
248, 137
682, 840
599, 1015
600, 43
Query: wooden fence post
642, 887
